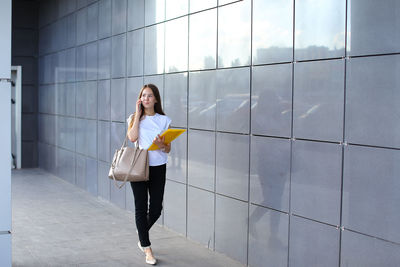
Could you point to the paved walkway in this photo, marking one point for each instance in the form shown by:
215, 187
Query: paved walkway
58, 224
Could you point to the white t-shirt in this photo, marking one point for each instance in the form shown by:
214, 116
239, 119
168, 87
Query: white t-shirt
149, 128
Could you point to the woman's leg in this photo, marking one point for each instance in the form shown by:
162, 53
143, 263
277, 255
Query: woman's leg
156, 192
140, 191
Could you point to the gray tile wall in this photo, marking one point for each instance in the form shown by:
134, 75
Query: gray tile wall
291, 108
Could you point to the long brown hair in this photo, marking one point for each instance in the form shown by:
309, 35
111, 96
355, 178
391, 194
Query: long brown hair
157, 106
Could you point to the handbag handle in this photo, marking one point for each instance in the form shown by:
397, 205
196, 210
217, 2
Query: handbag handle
126, 138
132, 163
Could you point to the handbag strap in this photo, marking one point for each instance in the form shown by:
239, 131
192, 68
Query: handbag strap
126, 139
132, 163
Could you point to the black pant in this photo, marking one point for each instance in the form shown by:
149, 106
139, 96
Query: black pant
146, 215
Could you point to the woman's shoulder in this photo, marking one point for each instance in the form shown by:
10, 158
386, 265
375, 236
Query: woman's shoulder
128, 120
163, 118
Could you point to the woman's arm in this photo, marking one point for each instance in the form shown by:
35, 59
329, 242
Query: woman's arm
133, 133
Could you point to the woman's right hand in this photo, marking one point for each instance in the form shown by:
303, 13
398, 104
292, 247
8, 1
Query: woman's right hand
138, 108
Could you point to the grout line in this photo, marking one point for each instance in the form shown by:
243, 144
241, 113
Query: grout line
215, 136
343, 138
187, 122
5, 232
316, 221
269, 208
291, 132
371, 236
249, 138
215, 188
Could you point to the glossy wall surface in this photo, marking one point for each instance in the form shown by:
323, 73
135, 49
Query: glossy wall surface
291, 108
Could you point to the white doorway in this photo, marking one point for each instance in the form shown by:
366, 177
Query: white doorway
16, 109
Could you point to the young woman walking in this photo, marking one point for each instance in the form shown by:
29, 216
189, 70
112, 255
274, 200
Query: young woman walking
145, 126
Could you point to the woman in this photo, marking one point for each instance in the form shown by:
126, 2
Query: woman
145, 126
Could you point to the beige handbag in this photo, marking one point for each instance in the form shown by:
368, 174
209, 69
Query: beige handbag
130, 164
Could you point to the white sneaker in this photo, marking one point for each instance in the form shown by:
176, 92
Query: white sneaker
140, 246
151, 260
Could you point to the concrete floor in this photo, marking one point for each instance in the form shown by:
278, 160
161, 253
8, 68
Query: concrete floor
55, 223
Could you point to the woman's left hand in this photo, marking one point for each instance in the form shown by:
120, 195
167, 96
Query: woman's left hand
159, 141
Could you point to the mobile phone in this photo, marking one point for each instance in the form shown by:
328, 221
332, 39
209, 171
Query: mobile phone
141, 106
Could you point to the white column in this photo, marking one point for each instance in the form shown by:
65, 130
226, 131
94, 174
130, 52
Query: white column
5, 133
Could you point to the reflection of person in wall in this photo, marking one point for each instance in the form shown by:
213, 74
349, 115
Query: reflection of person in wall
145, 125
272, 171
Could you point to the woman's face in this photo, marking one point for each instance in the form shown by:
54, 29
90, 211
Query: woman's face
148, 98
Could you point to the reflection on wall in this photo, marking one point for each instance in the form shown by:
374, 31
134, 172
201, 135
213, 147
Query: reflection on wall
320, 29
176, 45
203, 40
154, 49
234, 34
272, 31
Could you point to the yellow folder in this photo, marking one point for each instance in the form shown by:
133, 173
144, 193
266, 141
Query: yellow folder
170, 135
